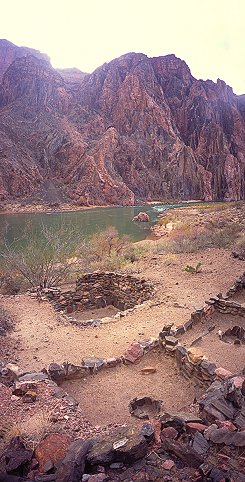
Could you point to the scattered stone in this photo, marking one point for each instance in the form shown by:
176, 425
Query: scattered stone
192, 427
171, 340
185, 453
148, 430
97, 478
113, 362
169, 432
134, 352
200, 444
148, 370
34, 376
20, 388
195, 355
56, 372
93, 363
226, 424
29, 397
117, 465
178, 420
15, 455
222, 373
14, 371
168, 464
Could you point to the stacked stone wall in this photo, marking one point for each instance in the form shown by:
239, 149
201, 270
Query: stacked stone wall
98, 290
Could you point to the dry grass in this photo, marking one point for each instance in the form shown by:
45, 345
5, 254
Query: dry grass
32, 430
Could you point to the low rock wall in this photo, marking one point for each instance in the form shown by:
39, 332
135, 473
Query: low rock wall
97, 290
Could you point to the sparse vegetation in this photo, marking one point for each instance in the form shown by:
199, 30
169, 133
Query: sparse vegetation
43, 258
193, 269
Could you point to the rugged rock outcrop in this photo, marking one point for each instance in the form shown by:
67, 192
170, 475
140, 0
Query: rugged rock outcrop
10, 52
137, 128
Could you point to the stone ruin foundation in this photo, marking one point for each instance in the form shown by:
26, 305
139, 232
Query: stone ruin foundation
101, 289
221, 421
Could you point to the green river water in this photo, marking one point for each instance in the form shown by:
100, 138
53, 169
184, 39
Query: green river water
88, 221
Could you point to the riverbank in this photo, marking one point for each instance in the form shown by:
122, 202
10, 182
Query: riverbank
21, 208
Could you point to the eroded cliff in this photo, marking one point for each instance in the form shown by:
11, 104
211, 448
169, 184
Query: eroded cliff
137, 128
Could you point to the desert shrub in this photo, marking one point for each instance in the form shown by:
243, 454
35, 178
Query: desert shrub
134, 251
107, 243
239, 243
164, 221
193, 269
109, 263
225, 236
12, 283
42, 257
188, 240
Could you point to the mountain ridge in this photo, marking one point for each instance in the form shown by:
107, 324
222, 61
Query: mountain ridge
137, 128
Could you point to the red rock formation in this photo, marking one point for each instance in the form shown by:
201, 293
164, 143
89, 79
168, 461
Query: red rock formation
137, 128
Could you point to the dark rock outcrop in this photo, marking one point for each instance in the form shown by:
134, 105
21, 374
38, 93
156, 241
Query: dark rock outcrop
136, 128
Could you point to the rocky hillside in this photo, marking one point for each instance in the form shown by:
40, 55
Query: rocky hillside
137, 128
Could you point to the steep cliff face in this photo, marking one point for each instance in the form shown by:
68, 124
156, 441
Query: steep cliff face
136, 128
10, 52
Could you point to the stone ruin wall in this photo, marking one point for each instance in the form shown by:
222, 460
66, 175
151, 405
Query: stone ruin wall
98, 290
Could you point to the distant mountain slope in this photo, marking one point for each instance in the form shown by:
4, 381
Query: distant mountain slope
137, 128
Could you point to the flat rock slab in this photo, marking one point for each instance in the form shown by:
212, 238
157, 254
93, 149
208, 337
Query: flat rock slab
93, 363
125, 445
72, 467
52, 448
183, 452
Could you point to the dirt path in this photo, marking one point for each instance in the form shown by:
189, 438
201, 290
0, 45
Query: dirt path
40, 337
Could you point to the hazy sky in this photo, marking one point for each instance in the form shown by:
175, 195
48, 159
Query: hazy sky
208, 34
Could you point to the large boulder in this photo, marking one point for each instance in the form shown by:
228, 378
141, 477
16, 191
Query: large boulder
72, 467
125, 445
51, 450
15, 458
142, 217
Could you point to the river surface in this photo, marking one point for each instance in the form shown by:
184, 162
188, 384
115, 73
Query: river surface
88, 221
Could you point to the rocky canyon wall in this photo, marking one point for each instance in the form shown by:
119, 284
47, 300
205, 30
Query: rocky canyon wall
137, 128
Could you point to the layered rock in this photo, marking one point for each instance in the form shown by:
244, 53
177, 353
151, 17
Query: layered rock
137, 128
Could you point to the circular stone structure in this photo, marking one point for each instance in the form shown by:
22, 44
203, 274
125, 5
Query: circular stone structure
101, 289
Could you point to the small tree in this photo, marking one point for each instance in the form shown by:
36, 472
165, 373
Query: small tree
44, 256
107, 243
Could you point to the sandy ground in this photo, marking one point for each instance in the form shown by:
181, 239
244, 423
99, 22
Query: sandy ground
41, 337
229, 356
96, 314
103, 406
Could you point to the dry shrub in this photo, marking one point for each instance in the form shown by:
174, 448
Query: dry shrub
225, 236
11, 283
107, 243
188, 240
32, 430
